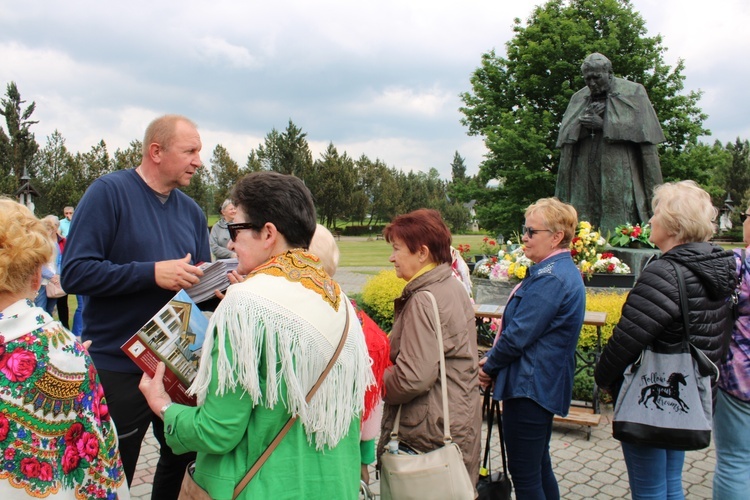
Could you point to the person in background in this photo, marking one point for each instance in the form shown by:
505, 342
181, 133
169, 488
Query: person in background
681, 226
421, 255
269, 341
63, 313
132, 245
732, 411
219, 237
65, 222
533, 361
57, 439
323, 245
50, 271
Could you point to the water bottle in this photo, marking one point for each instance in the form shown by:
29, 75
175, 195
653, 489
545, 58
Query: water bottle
393, 446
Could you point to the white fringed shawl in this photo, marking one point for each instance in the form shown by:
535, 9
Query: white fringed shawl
273, 319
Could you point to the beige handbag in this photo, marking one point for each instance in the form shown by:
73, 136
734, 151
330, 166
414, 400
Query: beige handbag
438, 474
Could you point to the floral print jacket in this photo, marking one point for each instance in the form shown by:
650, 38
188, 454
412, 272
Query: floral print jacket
56, 436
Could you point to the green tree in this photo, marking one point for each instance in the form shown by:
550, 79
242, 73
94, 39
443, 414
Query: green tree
332, 181
384, 194
733, 176
287, 152
58, 175
201, 190
226, 173
253, 163
517, 101
18, 145
130, 157
95, 163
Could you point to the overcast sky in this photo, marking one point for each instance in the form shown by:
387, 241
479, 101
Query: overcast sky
379, 78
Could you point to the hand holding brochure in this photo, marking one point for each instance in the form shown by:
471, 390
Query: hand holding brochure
174, 335
214, 278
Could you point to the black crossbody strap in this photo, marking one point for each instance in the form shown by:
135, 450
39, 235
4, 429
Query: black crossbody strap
683, 301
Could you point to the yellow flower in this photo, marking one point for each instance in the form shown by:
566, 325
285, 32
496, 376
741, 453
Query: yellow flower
520, 272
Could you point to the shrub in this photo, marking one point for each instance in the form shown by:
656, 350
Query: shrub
378, 295
606, 301
603, 301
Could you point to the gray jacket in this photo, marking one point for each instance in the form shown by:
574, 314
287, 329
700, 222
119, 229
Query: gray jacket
219, 239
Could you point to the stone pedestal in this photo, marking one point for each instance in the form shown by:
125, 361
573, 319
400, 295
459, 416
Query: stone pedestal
488, 291
636, 258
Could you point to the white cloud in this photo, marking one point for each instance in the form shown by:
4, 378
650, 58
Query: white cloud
212, 48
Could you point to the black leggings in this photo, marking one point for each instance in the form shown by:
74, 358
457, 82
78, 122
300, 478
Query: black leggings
132, 416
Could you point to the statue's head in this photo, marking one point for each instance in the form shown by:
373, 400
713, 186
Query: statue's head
597, 73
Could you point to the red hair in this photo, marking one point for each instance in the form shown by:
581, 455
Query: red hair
422, 227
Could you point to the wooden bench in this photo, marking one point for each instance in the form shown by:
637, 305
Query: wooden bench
581, 416
379, 236
588, 417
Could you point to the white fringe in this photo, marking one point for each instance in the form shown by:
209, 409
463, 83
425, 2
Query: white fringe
248, 322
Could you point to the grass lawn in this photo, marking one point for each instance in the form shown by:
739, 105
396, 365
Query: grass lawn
361, 252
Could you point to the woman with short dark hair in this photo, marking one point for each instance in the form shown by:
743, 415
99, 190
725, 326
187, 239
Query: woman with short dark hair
266, 346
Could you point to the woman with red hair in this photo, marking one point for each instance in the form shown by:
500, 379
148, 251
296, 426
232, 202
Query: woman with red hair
421, 255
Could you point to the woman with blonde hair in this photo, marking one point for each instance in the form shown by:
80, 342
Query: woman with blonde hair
56, 437
681, 226
533, 360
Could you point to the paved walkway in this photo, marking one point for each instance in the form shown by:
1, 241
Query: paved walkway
584, 468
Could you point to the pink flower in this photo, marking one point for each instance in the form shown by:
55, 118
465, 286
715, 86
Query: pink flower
4, 427
10, 453
88, 446
30, 467
70, 459
18, 365
45, 471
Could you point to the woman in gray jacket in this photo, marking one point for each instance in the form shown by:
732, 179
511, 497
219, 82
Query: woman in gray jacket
421, 255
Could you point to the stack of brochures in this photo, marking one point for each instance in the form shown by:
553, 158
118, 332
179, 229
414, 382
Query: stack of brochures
214, 278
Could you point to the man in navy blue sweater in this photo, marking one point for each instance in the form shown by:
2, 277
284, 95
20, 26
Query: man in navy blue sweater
134, 242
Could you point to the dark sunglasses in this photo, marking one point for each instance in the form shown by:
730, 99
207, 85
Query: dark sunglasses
743, 216
235, 227
531, 232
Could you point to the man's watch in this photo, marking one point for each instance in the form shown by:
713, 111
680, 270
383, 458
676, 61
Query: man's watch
164, 409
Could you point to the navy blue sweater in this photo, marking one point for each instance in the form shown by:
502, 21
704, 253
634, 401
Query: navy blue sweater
120, 230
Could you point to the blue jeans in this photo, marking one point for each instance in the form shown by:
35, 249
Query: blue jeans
732, 440
78, 317
527, 429
654, 472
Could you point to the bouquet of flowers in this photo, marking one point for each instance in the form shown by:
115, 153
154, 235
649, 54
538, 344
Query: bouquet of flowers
507, 266
608, 263
628, 235
586, 246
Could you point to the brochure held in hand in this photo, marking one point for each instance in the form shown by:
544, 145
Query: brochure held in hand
175, 336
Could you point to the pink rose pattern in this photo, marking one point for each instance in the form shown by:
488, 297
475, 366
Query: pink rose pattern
34, 452
18, 365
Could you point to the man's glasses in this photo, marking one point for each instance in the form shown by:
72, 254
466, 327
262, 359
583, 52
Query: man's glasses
743, 216
530, 232
235, 227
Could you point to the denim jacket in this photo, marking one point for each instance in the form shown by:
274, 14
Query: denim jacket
535, 355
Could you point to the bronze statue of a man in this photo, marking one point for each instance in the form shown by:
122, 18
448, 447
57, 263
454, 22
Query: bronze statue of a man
609, 162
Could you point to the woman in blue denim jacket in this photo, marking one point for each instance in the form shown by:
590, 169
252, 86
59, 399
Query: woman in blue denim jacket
533, 361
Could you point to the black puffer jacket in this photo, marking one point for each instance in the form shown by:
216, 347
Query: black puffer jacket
652, 310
